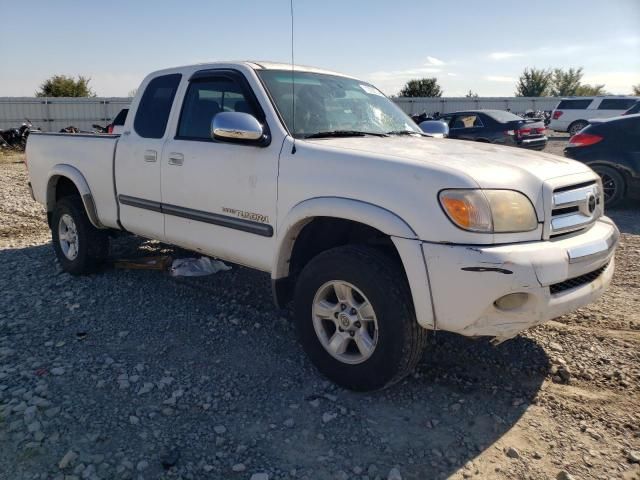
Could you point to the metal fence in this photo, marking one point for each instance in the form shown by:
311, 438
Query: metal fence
431, 105
52, 114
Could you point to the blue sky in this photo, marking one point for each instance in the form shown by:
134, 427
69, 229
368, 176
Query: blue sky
466, 44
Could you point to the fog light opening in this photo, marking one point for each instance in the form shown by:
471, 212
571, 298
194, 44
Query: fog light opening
512, 301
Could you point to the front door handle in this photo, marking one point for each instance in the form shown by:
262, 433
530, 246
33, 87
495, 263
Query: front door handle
150, 155
176, 159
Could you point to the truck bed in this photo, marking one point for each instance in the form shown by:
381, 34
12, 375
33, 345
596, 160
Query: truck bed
91, 155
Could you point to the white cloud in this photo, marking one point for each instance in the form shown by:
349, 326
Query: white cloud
391, 81
614, 82
451, 74
403, 73
504, 55
631, 41
499, 78
434, 61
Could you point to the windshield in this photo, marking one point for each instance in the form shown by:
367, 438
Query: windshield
328, 103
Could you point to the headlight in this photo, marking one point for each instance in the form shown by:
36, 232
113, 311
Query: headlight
489, 211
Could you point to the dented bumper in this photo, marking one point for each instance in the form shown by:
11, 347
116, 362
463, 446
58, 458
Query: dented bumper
554, 277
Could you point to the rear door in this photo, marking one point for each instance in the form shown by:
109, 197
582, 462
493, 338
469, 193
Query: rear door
138, 154
219, 198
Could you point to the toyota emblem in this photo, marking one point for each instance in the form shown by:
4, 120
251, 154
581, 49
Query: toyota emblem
591, 202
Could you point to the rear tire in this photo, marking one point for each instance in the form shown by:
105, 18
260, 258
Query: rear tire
79, 246
576, 126
613, 184
381, 342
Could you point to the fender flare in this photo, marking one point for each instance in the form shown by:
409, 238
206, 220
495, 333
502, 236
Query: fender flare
70, 172
337, 207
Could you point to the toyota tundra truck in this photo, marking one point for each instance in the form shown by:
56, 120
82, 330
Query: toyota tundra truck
374, 231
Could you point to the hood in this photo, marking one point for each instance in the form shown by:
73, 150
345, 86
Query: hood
490, 166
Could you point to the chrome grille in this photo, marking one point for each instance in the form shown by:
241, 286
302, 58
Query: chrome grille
575, 207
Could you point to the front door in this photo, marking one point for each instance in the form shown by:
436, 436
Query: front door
218, 197
138, 156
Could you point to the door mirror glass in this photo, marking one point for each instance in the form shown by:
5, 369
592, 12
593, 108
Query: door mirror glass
236, 126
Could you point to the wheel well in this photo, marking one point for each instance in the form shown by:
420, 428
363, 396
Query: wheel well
324, 233
626, 174
65, 188
576, 121
60, 187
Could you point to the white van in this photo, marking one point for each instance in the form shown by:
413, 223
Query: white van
573, 114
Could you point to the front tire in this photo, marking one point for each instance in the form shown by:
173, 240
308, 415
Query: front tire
79, 246
355, 319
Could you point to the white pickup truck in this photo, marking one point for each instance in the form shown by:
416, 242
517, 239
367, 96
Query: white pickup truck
375, 231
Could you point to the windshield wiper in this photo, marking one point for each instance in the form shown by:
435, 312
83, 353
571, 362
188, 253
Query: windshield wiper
404, 132
343, 133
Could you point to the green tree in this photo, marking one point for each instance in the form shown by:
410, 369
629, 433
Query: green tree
565, 83
590, 90
64, 86
471, 94
636, 89
132, 93
424, 87
533, 83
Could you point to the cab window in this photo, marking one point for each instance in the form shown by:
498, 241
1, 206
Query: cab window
155, 106
207, 97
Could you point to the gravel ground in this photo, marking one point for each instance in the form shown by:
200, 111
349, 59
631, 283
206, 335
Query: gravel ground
136, 374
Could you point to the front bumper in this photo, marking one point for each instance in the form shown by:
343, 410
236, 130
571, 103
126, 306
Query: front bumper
467, 280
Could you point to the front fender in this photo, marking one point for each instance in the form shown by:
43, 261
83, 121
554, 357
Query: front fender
402, 235
336, 207
72, 173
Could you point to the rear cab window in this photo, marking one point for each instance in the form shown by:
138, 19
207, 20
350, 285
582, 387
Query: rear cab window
578, 104
155, 106
121, 117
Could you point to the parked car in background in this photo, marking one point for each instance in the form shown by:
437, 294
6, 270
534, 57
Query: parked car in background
496, 126
611, 147
117, 126
634, 109
573, 114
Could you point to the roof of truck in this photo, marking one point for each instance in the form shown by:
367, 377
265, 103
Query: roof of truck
287, 66
261, 65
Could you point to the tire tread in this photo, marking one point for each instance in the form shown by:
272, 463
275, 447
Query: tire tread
97, 241
385, 269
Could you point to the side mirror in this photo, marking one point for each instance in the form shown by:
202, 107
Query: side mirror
435, 128
236, 126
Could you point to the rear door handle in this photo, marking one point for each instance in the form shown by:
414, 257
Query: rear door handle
176, 159
150, 155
